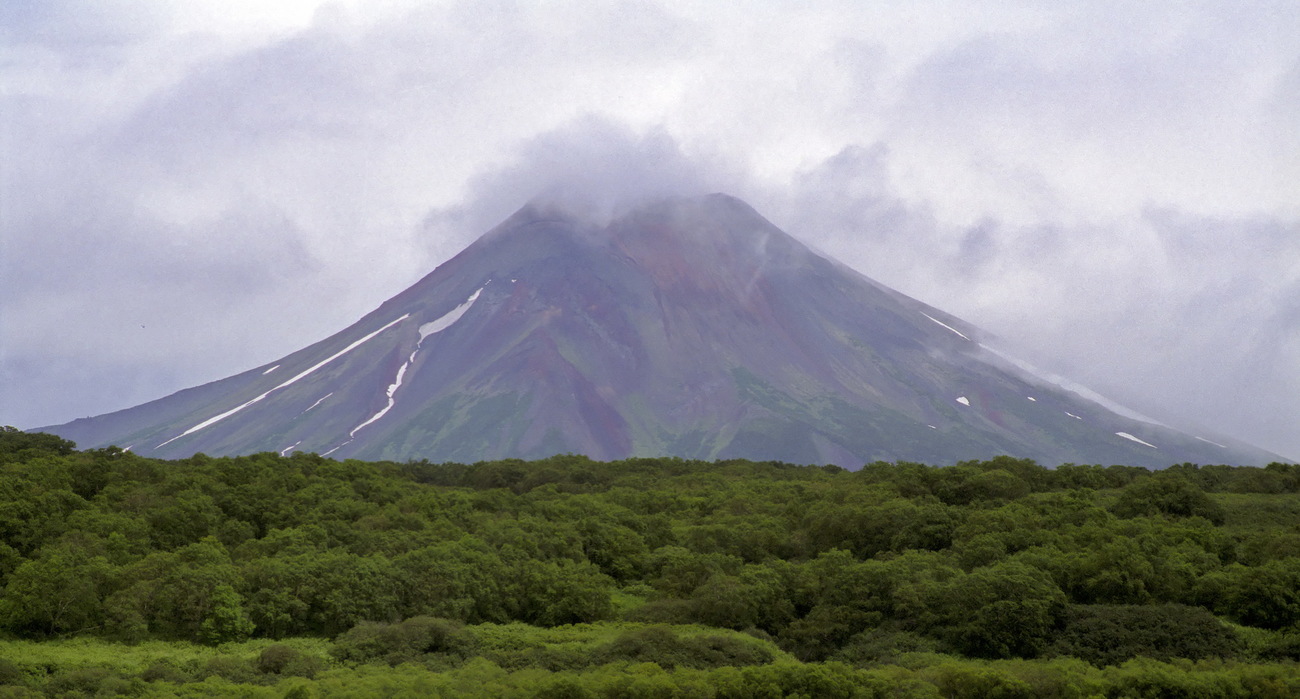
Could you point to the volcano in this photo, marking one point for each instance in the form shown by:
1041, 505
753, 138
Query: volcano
689, 327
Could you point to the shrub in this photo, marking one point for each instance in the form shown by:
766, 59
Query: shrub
12, 673
1171, 495
279, 659
231, 669
964, 681
1144, 677
86, 681
563, 687
1110, 634
407, 641
1267, 596
662, 646
725, 651
877, 646
167, 671
1284, 645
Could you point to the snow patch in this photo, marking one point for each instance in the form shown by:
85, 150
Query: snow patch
1076, 417
1032, 398
1214, 443
318, 401
446, 321
949, 327
932, 427
426, 330
392, 389
963, 400
277, 366
285, 451
1128, 436
211, 421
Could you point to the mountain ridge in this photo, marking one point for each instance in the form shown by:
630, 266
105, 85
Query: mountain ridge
685, 327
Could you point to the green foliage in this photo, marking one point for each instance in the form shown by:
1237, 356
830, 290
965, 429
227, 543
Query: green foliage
1112, 634
615, 661
664, 647
18, 446
1284, 645
60, 591
408, 641
287, 661
879, 646
1009, 609
1267, 596
1168, 493
669, 576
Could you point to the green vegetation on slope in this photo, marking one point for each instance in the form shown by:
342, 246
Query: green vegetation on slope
565, 577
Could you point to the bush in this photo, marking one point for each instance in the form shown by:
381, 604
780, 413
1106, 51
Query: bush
167, 671
555, 659
726, 651
1168, 494
1144, 677
1284, 645
1110, 634
877, 646
86, 681
231, 669
1266, 596
563, 687
965, 681
662, 646
280, 659
12, 673
408, 641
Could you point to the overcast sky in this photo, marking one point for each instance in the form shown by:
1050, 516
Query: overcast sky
188, 190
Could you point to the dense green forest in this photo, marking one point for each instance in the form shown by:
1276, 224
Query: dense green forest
271, 576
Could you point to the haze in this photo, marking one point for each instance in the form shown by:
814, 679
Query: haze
192, 189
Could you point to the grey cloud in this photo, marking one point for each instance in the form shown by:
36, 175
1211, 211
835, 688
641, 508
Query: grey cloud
592, 166
1178, 315
79, 27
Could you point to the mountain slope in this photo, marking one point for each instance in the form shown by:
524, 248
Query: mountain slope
690, 327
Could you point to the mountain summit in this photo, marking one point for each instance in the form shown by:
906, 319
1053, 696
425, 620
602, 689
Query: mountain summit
690, 327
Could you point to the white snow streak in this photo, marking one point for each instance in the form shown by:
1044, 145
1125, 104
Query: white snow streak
1032, 398
318, 402
940, 322
1214, 443
336, 355
285, 451
963, 400
1126, 435
277, 366
451, 317
1076, 417
426, 330
392, 388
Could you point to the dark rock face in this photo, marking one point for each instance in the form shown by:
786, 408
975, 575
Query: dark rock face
689, 327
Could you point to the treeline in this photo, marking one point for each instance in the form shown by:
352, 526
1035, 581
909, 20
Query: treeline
993, 559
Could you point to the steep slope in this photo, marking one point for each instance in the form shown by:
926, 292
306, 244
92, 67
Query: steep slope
690, 327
